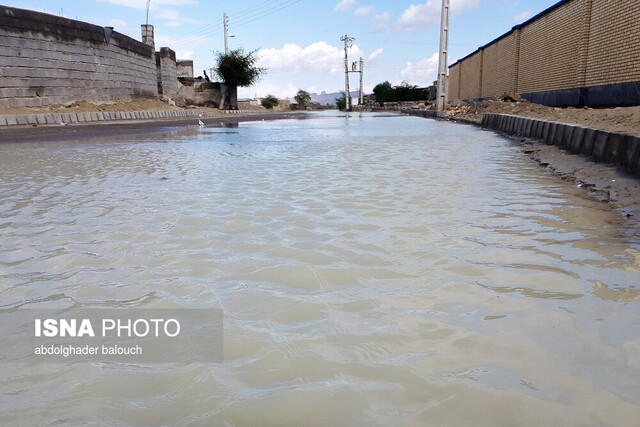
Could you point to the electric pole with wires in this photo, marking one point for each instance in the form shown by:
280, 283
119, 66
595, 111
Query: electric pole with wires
347, 44
441, 97
225, 21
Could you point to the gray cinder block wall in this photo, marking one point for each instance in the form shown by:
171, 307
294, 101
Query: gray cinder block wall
47, 59
167, 72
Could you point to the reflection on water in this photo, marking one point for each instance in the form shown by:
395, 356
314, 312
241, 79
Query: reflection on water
375, 270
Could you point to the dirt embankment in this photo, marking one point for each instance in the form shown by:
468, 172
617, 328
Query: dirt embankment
114, 106
620, 120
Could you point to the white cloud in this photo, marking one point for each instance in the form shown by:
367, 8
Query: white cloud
458, 6
174, 16
180, 45
374, 54
363, 12
423, 72
118, 25
184, 54
381, 22
522, 17
422, 16
344, 5
264, 89
317, 57
142, 4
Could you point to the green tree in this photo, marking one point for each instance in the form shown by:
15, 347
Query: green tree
238, 69
341, 102
269, 102
302, 97
383, 92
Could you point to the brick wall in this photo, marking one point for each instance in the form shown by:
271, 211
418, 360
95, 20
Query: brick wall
614, 42
576, 52
46, 59
453, 87
553, 48
499, 73
471, 77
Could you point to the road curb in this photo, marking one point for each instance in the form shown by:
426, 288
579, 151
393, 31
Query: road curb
603, 147
103, 116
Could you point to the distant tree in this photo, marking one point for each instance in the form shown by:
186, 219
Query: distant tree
341, 102
302, 97
383, 92
269, 102
238, 69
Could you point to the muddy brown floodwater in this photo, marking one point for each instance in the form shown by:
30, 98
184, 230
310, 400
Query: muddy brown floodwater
373, 270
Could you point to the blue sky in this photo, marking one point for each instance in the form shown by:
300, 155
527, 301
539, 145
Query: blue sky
299, 40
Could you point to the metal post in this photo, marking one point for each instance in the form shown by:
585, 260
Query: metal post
361, 98
347, 44
442, 63
226, 38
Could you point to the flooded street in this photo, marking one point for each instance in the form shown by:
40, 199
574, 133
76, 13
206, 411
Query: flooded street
373, 270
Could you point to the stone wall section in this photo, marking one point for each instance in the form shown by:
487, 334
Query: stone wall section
46, 59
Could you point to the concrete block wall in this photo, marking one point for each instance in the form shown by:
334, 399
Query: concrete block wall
167, 75
46, 59
185, 68
577, 52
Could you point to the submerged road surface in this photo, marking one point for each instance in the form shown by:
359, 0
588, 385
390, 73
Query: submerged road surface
373, 270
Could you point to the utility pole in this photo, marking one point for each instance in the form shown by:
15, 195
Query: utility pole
225, 21
148, 5
361, 98
347, 44
442, 63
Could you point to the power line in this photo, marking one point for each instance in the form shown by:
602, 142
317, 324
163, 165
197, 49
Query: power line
243, 17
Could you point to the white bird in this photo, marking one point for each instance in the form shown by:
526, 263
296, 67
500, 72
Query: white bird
200, 123
63, 124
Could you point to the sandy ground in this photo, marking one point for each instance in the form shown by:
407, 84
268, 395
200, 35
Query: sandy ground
110, 106
89, 107
621, 120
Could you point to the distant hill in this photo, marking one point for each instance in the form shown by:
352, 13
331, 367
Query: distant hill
327, 98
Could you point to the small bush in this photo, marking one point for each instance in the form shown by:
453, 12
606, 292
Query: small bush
269, 102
